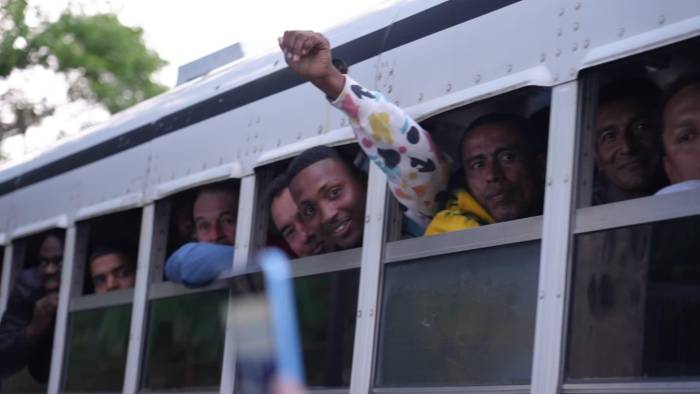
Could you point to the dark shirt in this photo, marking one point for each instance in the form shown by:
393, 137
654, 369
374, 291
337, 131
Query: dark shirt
16, 350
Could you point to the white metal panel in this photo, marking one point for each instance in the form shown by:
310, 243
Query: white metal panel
5, 279
369, 292
61, 327
556, 241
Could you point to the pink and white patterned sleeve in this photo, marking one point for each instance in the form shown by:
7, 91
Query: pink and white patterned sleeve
414, 166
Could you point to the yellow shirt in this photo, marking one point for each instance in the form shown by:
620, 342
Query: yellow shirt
462, 212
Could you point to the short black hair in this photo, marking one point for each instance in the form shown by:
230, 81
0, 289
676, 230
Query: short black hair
313, 155
678, 85
520, 123
122, 248
628, 88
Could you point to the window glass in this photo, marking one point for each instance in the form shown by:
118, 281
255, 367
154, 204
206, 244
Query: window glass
96, 349
459, 319
326, 306
185, 342
635, 309
495, 152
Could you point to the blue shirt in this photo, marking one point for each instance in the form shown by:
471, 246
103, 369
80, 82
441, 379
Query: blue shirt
195, 264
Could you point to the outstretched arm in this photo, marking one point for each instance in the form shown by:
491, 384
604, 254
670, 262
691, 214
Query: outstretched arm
398, 145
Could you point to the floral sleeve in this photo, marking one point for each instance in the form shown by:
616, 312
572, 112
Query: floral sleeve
414, 167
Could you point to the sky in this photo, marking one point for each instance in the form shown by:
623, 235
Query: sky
180, 31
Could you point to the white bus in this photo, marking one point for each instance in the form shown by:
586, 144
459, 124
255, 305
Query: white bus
543, 304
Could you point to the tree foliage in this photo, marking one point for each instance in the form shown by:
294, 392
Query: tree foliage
104, 61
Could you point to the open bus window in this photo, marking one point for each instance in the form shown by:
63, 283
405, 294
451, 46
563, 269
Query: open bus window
112, 250
635, 309
315, 203
496, 154
37, 261
641, 126
185, 341
201, 233
465, 318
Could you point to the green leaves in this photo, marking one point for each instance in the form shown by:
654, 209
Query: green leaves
107, 62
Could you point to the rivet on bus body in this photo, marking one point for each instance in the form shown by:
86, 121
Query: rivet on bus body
477, 78
391, 72
342, 121
509, 68
621, 32
449, 87
549, 181
662, 19
320, 129
543, 57
299, 136
586, 43
542, 296
359, 313
561, 11
555, 77
367, 219
389, 89
557, 53
558, 295
371, 312
279, 142
420, 97
560, 32
566, 179
574, 47
576, 26
379, 76
577, 6
572, 72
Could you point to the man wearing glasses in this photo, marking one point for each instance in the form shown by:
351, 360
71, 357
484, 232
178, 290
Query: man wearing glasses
26, 330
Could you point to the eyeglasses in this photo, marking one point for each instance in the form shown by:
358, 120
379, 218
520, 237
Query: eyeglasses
45, 261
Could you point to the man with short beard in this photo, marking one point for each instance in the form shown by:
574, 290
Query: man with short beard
26, 330
627, 147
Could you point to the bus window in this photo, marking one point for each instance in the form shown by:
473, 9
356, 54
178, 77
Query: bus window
201, 233
636, 278
37, 260
459, 319
96, 349
637, 133
635, 307
326, 305
495, 151
185, 341
112, 250
316, 202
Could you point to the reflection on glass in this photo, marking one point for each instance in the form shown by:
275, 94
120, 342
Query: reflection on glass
636, 302
327, 305
185, 341
96, 349
460, 319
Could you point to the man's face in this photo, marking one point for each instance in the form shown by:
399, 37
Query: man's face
214, 215
287, 220
331, 202
112, 271
50, 259
501, 173
627, 149
681, 135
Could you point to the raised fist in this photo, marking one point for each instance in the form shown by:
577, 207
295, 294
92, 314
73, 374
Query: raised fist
309, 55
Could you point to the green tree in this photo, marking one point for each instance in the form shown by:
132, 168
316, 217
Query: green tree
105, 62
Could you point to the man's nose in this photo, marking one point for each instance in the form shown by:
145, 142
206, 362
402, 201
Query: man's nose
213, 234
328, 213
628, 142
494, 172
52, 268
307, 236
111, 282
